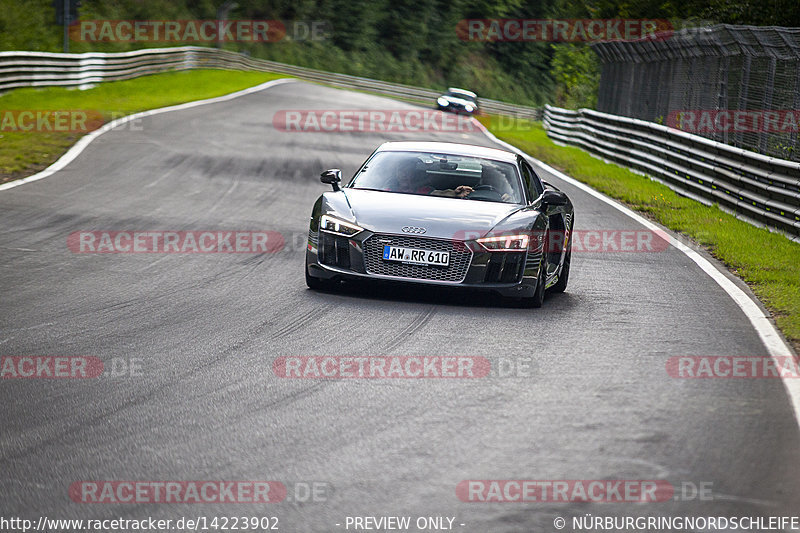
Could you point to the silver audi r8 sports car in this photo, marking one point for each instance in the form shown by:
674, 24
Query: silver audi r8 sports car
444, 214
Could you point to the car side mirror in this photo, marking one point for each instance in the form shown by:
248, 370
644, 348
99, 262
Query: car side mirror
554, 198
333, 177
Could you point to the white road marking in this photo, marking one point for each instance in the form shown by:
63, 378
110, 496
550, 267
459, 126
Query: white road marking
84, 141
766, 330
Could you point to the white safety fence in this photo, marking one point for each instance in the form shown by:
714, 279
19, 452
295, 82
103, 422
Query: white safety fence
40, 69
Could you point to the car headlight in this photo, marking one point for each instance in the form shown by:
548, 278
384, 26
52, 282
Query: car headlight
469, 108
442, 102
338, 227
505, 243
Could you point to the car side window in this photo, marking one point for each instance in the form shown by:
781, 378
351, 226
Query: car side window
532, 182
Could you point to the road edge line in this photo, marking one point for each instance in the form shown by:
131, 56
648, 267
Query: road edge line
770, 337
87, 139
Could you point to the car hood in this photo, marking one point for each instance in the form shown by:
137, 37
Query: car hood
445, 218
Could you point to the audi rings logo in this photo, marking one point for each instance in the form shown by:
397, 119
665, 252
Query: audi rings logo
413, 229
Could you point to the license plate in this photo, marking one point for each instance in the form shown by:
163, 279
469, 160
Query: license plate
416, 256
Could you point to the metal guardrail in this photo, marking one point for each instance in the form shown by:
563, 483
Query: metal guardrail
760, 189
41, 69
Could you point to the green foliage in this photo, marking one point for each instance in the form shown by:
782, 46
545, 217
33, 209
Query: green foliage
576, 71
29, 26
407, 41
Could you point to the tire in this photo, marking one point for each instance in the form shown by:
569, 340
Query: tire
563, 278
537, 299
318, 284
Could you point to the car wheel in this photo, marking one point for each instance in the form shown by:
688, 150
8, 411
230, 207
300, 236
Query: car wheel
537, 299
563, 278
318, 284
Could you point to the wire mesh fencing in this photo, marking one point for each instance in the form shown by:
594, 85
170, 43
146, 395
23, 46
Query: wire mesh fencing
739, 85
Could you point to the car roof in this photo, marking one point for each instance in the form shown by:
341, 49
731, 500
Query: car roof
462, 91
449, 148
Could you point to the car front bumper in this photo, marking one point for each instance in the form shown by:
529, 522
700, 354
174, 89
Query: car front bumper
453, 108
512, 274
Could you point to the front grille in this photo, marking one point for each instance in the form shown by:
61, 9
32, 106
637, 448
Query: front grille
504, 267
460, 258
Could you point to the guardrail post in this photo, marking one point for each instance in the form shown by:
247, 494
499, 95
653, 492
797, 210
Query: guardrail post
763, 136
743, 95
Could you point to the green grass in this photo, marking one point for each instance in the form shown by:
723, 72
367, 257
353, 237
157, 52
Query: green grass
768, 262
25, 153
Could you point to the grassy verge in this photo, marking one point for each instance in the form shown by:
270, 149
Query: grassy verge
769, 263
25, 153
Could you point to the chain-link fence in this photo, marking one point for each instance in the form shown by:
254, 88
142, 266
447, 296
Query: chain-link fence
739, 85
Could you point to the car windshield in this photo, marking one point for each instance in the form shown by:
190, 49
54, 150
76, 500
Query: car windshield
447, 175
463, 96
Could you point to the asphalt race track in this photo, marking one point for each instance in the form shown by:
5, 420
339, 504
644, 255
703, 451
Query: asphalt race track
588, 398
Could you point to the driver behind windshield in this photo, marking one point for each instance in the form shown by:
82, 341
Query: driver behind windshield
494, 180
406, 181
